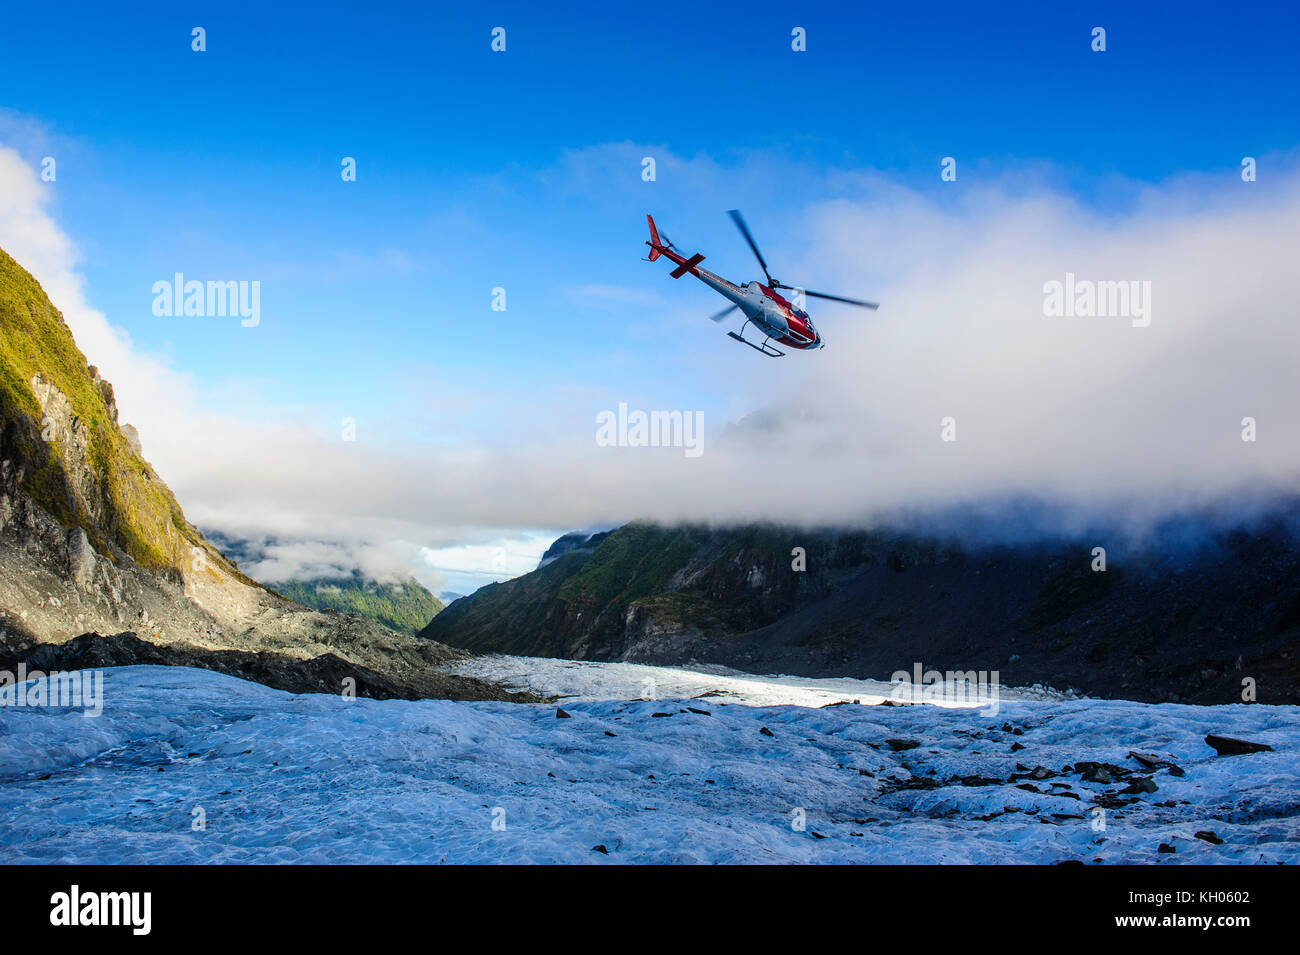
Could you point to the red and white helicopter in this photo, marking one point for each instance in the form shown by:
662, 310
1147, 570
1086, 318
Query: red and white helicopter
777, 318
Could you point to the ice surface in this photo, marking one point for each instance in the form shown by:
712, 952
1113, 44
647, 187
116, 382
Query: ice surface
315, 778
583, 680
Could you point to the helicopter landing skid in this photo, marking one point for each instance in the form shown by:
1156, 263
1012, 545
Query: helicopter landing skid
765, 348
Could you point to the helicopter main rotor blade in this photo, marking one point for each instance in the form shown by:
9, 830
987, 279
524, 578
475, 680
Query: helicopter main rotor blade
724, 313
841, 298
737, 218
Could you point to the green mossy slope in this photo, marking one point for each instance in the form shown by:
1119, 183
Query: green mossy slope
127, 508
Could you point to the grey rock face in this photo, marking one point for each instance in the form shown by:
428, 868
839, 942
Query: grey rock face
81, 558
132, 438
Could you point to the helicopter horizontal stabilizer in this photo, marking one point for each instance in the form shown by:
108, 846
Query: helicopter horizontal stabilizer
687, 266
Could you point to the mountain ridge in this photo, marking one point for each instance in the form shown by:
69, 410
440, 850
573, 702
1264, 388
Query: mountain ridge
1180, 624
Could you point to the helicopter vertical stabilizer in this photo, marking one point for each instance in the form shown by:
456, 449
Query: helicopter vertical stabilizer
655, 244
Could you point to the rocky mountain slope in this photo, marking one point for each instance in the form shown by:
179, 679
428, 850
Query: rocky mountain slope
1182, 622
93, 542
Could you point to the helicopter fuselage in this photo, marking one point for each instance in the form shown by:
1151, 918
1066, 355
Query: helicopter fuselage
774, 315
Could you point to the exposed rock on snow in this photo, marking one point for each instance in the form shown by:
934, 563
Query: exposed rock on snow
1227, 746
323, 673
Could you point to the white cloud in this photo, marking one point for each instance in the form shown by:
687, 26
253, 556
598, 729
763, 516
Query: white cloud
466, 567
276, 561
1092, 414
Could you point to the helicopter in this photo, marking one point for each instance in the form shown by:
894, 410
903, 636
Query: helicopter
766, 309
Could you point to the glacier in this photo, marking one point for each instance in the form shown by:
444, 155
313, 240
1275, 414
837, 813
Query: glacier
193, 766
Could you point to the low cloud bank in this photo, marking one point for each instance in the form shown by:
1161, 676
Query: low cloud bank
963, 389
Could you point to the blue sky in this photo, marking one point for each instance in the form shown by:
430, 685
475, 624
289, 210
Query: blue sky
522, 170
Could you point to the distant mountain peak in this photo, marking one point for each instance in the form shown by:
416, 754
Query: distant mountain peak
585, 540
406, 606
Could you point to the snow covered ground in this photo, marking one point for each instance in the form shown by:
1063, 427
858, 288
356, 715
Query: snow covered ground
275, 777
582, 680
